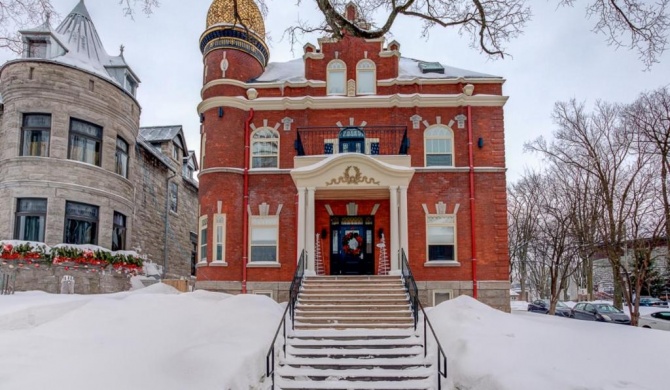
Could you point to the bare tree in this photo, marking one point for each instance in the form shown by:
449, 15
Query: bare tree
599, 145
649, 120
490, 24
16, 15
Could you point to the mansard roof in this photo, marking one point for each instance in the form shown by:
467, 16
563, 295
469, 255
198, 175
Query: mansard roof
161, 133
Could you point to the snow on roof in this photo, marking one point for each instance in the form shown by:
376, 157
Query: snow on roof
155, 152
294, 71
160, 133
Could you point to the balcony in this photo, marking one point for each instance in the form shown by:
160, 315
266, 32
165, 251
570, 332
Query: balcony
370, 140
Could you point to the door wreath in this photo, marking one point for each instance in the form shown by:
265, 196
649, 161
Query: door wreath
352, 244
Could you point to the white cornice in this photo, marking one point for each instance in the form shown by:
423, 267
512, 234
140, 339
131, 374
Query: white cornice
341, 102
322, 84
240, 171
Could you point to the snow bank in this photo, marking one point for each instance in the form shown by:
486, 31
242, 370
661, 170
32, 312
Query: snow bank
491, 350
153, 338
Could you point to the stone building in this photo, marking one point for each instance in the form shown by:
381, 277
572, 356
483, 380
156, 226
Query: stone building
75, 167
336, 152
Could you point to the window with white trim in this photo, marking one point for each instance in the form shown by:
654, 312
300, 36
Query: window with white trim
264, 237
219, 248
265, 148
441, 237
439, 146
336, 79
366, 77
202, 239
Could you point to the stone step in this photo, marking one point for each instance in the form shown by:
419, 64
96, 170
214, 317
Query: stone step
353, 277
337, 284
356, 344
377, 336
359, 292
335, 300
344, 326
351, 307
355, 364
353, 313
357, 353
367, 375
354, 320
335, 384
352, 296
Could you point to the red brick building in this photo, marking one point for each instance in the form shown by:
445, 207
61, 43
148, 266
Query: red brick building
331, 152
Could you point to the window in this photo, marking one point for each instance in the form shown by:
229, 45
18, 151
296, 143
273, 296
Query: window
265, 148
366, 77
202, 238
121, 157
85, 142
219, 238
81, 223
188, 171
35, 135
177, 149
440, 296
337, 78
441, 237
174, 197
31, 215
131, 85
264, 233
439, 146
119, 232
37, 48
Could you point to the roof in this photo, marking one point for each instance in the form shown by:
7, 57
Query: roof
82, 47
294, 71
160, 133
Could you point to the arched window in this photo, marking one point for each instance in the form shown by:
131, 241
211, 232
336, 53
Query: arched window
366, 78
439, 146
265, 148
337, 78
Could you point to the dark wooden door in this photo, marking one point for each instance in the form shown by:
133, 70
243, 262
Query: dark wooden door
351, 246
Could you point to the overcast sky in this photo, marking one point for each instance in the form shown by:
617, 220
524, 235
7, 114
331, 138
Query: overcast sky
557, 58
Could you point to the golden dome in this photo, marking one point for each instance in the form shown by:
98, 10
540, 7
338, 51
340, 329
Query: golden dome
222, 12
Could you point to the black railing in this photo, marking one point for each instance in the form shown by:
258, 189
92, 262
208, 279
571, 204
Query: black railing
7, 283
373, 140
290, 310
415, 302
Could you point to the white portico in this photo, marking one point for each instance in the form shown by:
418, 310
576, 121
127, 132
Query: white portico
352, 176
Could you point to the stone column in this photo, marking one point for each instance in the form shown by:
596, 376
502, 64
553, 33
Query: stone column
394, 236
301, 221
404, 229
309, 231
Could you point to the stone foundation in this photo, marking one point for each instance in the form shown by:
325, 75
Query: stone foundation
47, 279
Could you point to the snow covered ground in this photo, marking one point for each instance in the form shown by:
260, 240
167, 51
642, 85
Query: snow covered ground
156, 338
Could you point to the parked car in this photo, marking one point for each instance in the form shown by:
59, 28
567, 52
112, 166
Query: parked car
603, 312
665, 295
542, 306
651, 301
657, 320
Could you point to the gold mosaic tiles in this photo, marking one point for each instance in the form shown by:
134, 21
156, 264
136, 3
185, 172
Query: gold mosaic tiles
223, 11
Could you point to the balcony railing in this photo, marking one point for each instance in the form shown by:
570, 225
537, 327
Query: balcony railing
371, 140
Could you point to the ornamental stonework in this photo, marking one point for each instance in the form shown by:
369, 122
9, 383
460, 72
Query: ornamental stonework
222, 11
352, 175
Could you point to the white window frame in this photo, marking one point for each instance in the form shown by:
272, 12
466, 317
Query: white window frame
219, 223
336, 66
448, 220
255, 140
258, 222
363, 67
202, 225
431, 134
443, 291
268, 293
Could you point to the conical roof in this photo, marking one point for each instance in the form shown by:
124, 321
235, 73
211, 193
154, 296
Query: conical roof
78, 33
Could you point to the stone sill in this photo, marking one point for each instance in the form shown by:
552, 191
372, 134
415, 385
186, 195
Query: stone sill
218, 264
263, 264
442, 264
201, 264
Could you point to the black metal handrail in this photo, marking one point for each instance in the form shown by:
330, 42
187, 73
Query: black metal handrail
415, 302
290, 309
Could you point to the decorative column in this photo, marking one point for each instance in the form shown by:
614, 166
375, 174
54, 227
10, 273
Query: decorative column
301, 221
404, 229
394, 237
309, 231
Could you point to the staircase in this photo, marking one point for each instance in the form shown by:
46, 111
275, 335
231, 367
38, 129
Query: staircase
354, 332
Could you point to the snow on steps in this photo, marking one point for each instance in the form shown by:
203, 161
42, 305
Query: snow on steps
354, 333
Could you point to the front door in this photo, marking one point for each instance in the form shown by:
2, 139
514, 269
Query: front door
351, 245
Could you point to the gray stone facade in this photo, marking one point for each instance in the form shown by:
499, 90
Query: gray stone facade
38, 86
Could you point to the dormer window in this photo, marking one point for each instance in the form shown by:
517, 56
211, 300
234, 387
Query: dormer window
131, 85
366, 78
37, 48
337, 78
177, 149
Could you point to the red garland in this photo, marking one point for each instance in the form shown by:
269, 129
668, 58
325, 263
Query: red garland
345, 244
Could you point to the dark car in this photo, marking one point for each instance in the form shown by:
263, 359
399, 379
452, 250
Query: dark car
542, 306
603, 312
